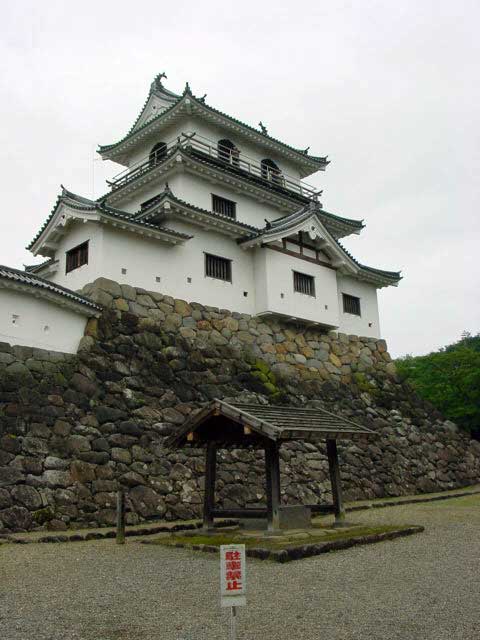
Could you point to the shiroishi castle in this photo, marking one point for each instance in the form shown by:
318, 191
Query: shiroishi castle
210, 209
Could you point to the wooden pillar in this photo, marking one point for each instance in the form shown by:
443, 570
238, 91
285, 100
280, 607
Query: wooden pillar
272, 472
210, 474
336, 481
120, 537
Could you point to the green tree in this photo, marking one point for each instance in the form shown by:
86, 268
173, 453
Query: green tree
450, 379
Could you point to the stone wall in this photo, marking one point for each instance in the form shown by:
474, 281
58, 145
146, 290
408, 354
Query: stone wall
73, 427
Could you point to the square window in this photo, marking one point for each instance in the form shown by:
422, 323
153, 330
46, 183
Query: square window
218, 268
351, 304
77, 257
303, 283
224, 207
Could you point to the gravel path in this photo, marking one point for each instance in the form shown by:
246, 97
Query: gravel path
425, 587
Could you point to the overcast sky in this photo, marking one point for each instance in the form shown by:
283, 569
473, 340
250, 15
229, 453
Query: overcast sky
390, 91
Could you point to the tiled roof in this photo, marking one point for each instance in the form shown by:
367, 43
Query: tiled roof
29, 279
321, 160
277, 423
80, 203
291, 220
293, 217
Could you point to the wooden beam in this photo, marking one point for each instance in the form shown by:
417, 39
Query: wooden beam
210, 475
336, 481
272, 472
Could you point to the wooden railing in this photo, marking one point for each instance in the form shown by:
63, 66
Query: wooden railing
230, 157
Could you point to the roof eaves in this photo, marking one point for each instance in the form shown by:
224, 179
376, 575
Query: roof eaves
105, 210
30, 279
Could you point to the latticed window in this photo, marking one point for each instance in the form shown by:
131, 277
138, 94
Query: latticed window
303, 283
224, 207
217, 267
77, 257
351, 304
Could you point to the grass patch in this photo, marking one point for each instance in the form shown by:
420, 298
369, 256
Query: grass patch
290, 539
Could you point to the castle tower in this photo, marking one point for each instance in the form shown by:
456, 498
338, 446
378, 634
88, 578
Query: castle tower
210, 209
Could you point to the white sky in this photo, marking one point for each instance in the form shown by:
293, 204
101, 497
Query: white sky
390, 91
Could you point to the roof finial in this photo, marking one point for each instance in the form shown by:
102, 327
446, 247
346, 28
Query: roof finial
202, 99
157, 81
187, 88
263, 128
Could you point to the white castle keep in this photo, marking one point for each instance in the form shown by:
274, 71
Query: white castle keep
207, 209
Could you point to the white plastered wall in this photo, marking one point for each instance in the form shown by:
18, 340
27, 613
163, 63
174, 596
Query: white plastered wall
34, 322
199, 191
146, 259
75, 234
359, 325
277, 271
264, 274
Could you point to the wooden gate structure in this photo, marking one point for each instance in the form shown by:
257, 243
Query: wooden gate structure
232, 425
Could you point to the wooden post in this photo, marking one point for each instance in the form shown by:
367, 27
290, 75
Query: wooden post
336, 482
272, 472
210, 474
120, 539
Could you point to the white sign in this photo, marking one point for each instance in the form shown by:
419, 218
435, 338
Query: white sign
233, 575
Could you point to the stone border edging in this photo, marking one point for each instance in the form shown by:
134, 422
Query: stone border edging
111, 533
413, 500
306, 550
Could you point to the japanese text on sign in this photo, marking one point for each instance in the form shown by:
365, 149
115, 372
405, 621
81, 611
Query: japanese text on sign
233, 575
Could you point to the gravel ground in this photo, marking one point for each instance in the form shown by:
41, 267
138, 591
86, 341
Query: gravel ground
425, 587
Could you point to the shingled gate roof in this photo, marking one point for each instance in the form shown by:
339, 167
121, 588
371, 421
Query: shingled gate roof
277, 423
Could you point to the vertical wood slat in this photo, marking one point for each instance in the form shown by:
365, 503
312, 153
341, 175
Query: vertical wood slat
272, 473
217, 267
120, 534
210, 477
334, 469
303, 283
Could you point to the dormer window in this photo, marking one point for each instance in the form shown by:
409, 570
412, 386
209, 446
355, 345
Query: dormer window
271, 172
228, 152
158, 153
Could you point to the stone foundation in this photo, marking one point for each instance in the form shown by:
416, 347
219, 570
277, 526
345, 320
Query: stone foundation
73, 427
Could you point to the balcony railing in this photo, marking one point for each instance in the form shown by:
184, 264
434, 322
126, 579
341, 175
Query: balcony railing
265, 173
